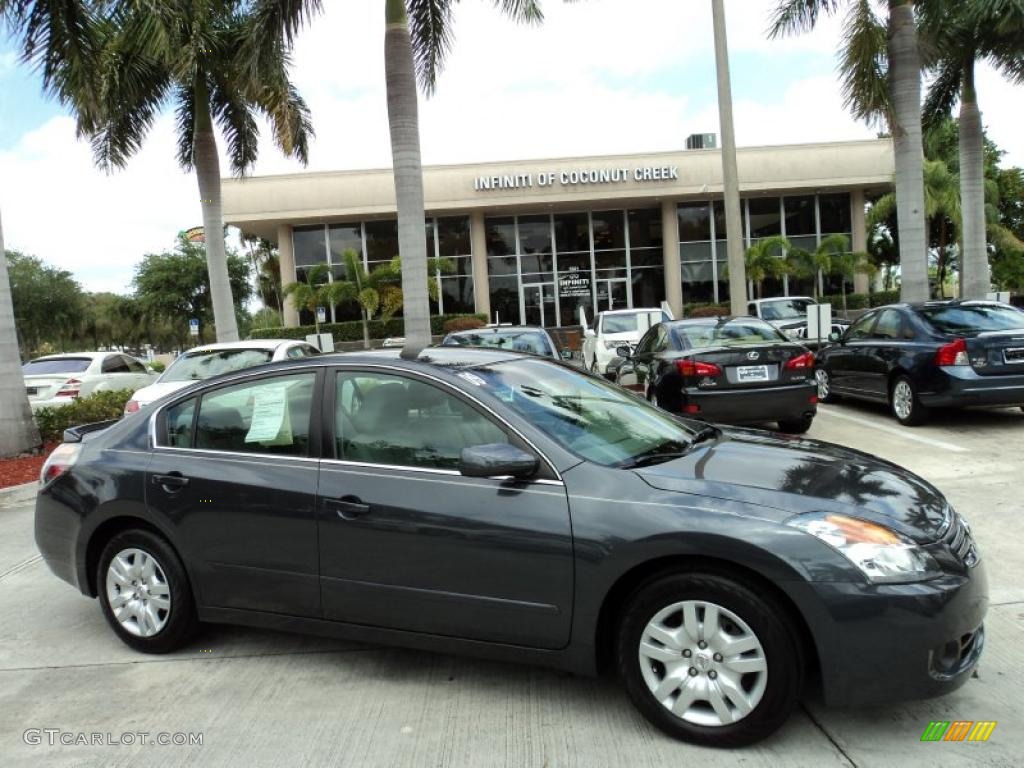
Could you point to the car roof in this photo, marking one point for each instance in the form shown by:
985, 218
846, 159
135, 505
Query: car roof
249, 344
500, 329
781, 298
708, 320
436, 356
632, 311
79, 355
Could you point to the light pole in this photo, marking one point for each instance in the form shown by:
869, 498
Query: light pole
730, 173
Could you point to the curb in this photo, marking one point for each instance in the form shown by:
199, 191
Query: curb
17, 493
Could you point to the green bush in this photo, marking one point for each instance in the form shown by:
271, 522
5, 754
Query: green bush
353, 329
706, 310
881, 298
853, 301
157, 366
100, 406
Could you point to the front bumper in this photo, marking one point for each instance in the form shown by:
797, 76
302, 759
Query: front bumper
747, 406
959, 386
883, 643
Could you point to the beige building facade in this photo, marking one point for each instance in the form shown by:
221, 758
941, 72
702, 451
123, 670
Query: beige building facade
536, 241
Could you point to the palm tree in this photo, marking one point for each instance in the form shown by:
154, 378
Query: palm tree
881, 79
847, 264
221, 66
811, 265
765, 258
962, 33
374, 290
315, 290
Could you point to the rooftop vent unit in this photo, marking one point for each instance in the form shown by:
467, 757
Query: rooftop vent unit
702, 141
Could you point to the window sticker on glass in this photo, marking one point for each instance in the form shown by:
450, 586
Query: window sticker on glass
270, 424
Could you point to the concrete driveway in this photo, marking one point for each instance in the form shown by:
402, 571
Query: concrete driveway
262, 698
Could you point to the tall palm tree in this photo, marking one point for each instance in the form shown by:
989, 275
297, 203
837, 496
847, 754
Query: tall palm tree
880, 67
961, 33
811, 265
221, 66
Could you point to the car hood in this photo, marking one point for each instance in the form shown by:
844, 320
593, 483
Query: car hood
147, 395
788, 475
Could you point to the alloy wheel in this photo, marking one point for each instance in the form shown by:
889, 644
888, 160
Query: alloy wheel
703, 663
138, 593
902, 399
821, 378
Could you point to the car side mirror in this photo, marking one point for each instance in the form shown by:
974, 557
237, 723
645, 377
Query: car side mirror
497, 460
589, 333
566, 354
624, 351
835, 336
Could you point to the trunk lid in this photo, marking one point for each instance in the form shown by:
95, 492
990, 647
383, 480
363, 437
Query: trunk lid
45, 386
996, 353
748, 365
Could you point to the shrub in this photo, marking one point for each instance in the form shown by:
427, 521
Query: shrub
353, 330
707, 310
157, 366
853, 301
882, 298
100, 406
457, 324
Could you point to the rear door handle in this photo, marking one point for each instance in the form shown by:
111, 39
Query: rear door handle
349, 507
175, 481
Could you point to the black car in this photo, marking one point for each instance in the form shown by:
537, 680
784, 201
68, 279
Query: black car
513, 338
738, 370
481, 502
937, 354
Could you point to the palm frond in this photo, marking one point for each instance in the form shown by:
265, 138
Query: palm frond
794, 16
943, 93
281, 19
185, 121
234, 116
430, 32
863, 64
526, 11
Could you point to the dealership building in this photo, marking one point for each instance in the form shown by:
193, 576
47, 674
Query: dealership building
534, 241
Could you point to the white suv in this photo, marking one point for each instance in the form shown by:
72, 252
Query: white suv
613, 329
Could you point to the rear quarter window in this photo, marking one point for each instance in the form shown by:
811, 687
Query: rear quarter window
961, 320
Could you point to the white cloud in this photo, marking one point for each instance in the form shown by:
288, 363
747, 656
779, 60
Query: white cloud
604, 76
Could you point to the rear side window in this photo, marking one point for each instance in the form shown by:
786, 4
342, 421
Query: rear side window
135, 366
970, 320
179, 424
265, 416
58, 365
115, 364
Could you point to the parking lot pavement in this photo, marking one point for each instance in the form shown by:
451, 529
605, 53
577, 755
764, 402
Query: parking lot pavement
262, 698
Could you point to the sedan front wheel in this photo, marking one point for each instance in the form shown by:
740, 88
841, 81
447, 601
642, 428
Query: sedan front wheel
707, 660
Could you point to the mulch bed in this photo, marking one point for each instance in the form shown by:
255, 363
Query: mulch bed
24, 469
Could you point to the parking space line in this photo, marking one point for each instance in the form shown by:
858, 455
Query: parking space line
904, 433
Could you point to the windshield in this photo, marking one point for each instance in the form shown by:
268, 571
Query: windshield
589, 416
970, 320
731, 333
56, 365
630, 323
786, 309
517, 341
202, 364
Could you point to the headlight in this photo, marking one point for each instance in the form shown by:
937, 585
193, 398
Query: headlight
880, 553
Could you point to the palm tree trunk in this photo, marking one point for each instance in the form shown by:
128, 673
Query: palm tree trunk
730, 173
943, 257
905, 92
366, 329
974, 269
403, 119
207, 165
18, 431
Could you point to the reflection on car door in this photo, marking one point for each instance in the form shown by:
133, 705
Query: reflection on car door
847, 363
234, 474
406, 542
888, 338
637, 373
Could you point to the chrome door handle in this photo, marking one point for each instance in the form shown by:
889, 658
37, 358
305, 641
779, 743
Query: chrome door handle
349, 507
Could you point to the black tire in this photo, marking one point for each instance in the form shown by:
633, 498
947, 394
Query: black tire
796, 426
766, 619
830, 396
918, 414
180, 622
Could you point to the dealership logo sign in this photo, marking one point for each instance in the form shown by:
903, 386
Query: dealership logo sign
577, 177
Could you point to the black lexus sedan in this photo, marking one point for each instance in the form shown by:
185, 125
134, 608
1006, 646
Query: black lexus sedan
737, 370
501, 505
938, 354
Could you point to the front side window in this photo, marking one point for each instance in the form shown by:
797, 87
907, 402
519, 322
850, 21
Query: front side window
264, 416
591, 417
205, 363
728, 333
862, 328
179, 419
889, 325
386, 419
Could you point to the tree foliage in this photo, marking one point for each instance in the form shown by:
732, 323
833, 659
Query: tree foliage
48, 303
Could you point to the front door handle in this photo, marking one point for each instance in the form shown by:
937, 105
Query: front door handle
349, 507
172, 482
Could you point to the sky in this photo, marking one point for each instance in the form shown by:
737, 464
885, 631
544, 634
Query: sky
600, 77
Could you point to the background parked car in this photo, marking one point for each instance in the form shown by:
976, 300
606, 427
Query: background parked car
735, 370
788, 314
613, 329
932, 355
209, 360
56, 380
515, 338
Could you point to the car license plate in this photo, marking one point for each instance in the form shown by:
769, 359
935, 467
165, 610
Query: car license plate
1013, 355
752, 373
31, 390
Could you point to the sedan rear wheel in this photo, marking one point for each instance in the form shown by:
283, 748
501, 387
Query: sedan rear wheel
144, 592
707, 660
905, 405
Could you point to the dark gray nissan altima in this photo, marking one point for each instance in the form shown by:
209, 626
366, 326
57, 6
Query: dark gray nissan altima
482, 502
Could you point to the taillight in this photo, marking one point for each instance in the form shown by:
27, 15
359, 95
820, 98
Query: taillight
59, 461
954, 353
131, 406
800, 362
691, 408
70, 388
697, 368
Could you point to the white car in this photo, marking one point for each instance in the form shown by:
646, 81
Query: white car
613, 329
788, 314
56, 380
211, 360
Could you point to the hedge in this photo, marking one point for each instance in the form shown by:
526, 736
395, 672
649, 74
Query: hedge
352, 330
100, 406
